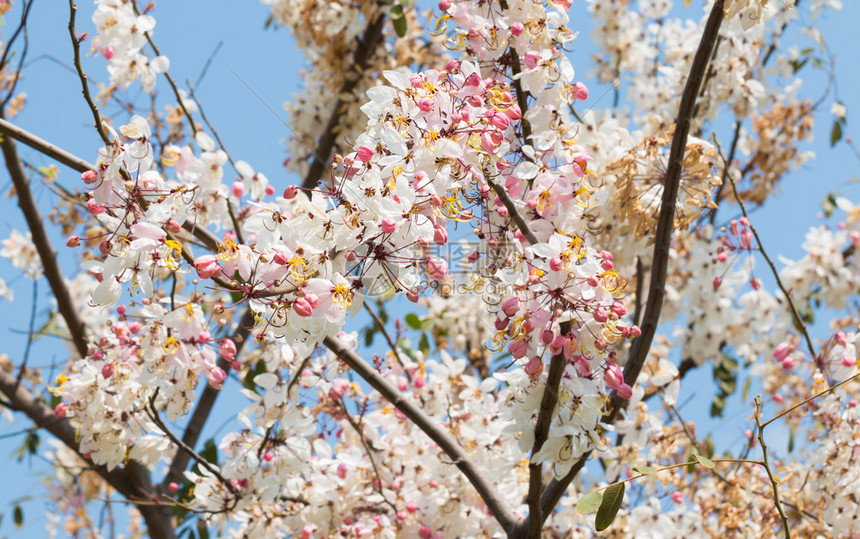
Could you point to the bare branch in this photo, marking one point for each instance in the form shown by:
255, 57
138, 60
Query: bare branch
85, 89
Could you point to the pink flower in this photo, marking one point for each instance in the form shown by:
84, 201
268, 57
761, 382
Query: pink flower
364, 154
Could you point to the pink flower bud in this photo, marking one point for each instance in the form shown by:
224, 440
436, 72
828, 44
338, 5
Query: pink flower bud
555, 264
108, 52
60, 410
290, 192
434, 484
531, 59
425, 104
364, 154
173, 487
744, 221
107, 370
423, 242
303, 307
89, 177
411, 507
518, 348
852, 403
782, 351
501, 323
444, 5
717, 282
207, 266
73, 241
425, 532
440, 235
677, 497
134, 327
412, 295
511, 306
388, 226
788, 363
419, 383
270, 190
847, 361
618, 309
746, 238
580, 91
217, 377
227, 349
517, 28
94, 208
238, 189
534, 367
437, 268
173, 227
341, 470
840, 338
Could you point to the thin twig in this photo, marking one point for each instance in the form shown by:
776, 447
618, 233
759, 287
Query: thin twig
801, 325
85, 89
766, 463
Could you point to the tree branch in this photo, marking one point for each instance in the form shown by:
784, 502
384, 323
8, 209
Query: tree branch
363, 53
132, 481
659, 267
47, 254
442, 438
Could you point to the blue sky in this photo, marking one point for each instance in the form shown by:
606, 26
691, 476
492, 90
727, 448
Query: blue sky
188, 32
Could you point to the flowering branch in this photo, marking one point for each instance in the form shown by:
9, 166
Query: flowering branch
205, 404
442, 438
132, 481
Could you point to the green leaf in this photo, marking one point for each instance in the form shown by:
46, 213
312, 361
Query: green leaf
413, 321
704, 461
612, 498
398, 20
746, 389
692, 466
424, 344
647, 470
835, 133
709, 445
589, 503
32, 443
18, 516
797, 65
790, 438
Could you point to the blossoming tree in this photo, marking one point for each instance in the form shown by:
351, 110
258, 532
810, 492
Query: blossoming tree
543, 274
